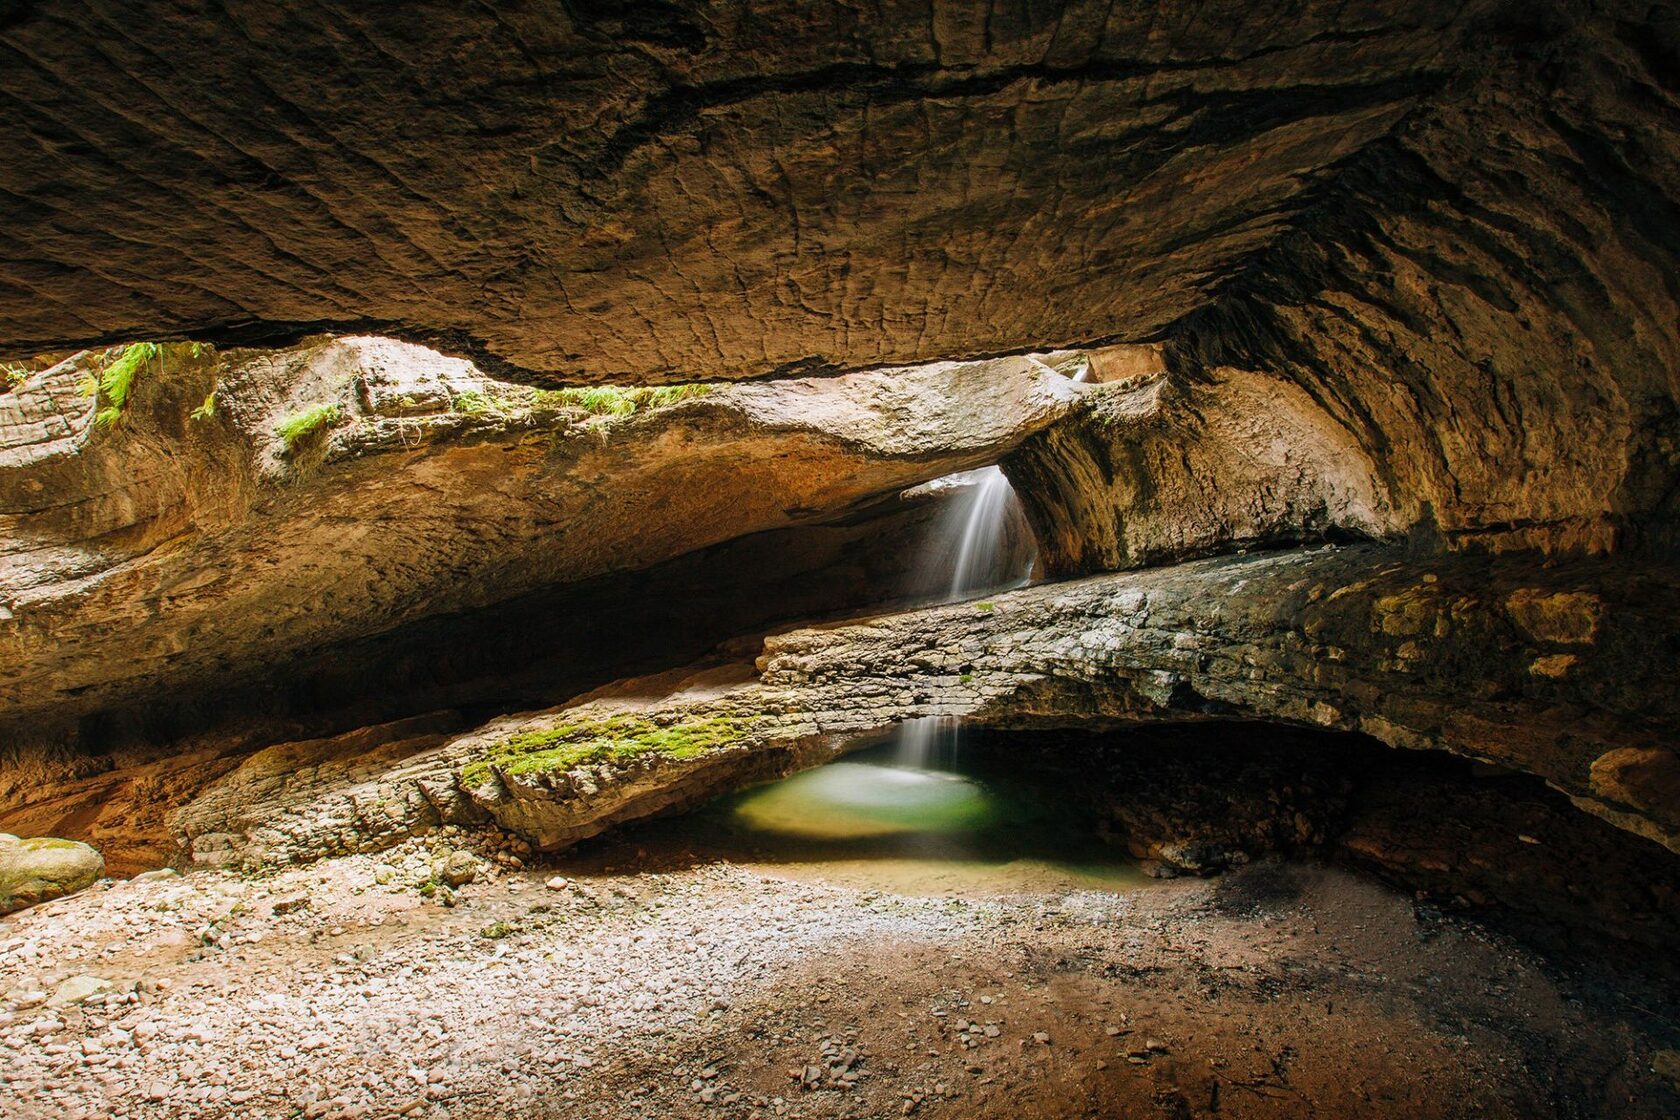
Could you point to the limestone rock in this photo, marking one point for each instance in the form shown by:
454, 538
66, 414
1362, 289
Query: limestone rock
1420, 655
1161, 469
39, 869
1448, 224
168, 551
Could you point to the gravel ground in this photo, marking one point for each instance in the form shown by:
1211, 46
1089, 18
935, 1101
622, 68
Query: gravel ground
705, 988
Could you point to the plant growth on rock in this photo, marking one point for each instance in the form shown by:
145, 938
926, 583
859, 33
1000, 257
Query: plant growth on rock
616, 740
303, 429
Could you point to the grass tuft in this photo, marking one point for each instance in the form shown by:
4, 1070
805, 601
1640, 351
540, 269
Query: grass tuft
113, 380
307, 427
613, 400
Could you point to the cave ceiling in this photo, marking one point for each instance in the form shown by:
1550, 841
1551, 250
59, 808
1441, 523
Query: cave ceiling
673, 190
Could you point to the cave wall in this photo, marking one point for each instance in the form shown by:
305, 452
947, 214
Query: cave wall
1160, 468
1452, 226
1488, 302
167, 551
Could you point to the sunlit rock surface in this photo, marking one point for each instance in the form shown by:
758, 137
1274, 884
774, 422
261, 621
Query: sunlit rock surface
170, 550
1161, 468
39, 869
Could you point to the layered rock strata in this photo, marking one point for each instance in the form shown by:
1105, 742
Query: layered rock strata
1545, 671
249, 509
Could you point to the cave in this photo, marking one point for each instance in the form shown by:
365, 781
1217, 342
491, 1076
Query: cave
835, 561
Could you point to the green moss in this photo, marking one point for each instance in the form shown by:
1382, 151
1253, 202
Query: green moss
48, 843
206, 410
114, 376
303, 428
985, 606
618, 739
497, 930
474, 403
613, 400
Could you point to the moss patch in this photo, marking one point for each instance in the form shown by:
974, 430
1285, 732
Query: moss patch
619, 739
612, 400
305, 428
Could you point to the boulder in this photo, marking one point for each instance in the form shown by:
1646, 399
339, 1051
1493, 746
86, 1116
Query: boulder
40, 869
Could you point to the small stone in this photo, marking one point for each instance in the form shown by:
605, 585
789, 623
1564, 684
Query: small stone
458, 868
155, 876
78, 988
1041, 1037
558, 883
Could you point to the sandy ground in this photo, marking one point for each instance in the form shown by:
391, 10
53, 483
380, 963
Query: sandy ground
719, 989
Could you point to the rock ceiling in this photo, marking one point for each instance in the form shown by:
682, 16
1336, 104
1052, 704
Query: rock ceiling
671, 189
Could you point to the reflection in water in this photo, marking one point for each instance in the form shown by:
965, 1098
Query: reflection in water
849, 800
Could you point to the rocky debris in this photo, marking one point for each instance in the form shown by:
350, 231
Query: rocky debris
40, 869
691, 987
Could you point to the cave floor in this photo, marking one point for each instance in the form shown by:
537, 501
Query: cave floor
693, 987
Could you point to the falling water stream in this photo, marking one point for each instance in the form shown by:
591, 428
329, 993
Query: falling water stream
912, 814
973, 541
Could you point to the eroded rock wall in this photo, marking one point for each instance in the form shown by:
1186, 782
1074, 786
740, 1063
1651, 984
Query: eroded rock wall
168, 551
672, 189
1487, 302
1161, 468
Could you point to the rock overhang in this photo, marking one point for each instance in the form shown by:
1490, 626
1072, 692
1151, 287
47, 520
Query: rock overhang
251, 506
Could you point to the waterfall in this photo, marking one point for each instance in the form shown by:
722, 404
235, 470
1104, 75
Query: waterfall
982, 535
984, 543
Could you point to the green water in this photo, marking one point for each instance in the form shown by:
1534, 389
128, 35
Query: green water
851, 800
871, 823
